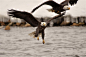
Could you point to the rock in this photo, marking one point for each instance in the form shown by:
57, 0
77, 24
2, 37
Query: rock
2, 24
75, 24
18, 24
27, 25
7, 27
81, 23
65, 23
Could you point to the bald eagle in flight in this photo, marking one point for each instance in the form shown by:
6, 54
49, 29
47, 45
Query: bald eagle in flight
28, 17
57, 8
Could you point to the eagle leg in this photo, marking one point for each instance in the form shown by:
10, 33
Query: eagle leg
37, 38
43, 41
43, 36
39, 35
37, 32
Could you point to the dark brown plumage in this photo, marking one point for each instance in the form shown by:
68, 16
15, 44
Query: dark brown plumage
71, 2
24, 15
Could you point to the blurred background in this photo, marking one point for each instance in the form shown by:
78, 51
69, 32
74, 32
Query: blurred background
77, 10
76, 14
66, 39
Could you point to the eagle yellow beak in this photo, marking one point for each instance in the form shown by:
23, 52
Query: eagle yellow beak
69, 8
44, 24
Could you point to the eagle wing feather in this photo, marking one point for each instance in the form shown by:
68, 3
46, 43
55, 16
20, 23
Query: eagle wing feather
71, 2
51, 3
28, 17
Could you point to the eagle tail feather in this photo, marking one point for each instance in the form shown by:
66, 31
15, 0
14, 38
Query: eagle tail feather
33, 34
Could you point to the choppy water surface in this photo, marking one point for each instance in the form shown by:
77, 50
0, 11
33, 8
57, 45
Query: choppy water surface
59, 42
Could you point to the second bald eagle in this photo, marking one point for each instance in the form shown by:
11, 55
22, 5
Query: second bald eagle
57, 8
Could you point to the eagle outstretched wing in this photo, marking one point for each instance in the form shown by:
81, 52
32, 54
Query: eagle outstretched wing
71, 2
24, 15
51, 3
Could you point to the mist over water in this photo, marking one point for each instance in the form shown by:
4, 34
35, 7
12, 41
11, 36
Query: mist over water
59, 42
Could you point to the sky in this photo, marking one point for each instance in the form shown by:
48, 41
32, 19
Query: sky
78, 9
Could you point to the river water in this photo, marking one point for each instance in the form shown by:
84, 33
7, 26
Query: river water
59, 42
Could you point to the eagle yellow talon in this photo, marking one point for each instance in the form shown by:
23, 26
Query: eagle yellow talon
37, 38
69, 8
43, 41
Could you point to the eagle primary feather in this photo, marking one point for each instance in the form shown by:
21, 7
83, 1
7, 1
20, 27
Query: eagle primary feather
71, 2
24, 15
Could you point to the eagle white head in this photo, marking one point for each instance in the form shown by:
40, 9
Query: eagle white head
66, 7
43, 24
